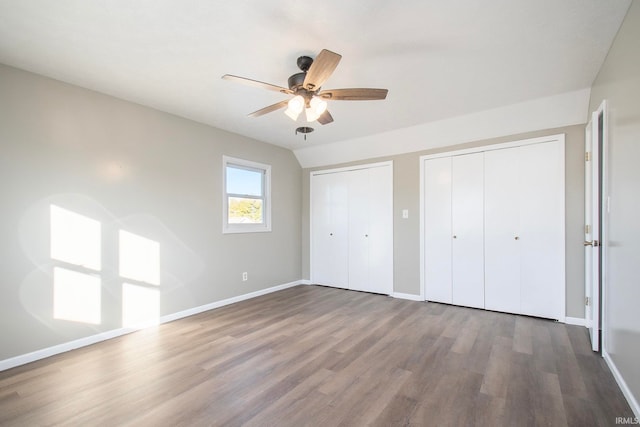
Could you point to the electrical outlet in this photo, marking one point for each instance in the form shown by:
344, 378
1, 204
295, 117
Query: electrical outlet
405, 213
245, 276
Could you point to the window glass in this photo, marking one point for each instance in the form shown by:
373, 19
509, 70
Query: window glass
244, 181
245, 211
246, 196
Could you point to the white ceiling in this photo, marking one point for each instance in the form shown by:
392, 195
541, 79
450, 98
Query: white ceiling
439, 59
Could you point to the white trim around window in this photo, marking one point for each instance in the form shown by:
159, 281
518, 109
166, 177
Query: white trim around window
263, 195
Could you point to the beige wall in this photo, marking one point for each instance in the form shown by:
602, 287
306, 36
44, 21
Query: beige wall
406, 190
619, 84
135, 169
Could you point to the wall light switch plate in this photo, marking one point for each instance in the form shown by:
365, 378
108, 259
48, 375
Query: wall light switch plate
405, 213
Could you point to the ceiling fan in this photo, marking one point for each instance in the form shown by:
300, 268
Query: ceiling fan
306, 87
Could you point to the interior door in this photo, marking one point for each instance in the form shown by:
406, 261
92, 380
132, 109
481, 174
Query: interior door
437, 230
467, 221
502, 230
329, 225
592, 253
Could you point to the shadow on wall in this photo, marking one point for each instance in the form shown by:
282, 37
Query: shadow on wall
95, 271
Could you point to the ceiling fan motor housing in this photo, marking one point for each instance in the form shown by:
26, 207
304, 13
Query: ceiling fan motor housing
296, 81
304, 63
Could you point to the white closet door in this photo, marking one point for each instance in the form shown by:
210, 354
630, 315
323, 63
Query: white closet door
467, 202
437, 230
542, 229
380, 232
329, 245
501, 230
359, 207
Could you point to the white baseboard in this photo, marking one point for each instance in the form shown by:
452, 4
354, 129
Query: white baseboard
217, 304
305, 282
575, 321
633, 403
83, 342
23, 359
411, 297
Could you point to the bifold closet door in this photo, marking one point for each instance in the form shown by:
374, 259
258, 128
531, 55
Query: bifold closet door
437, 230
359, 229
352, 229
467, 224
524, 230
381, 230
371, 230
502, 230
542, 216
329, 230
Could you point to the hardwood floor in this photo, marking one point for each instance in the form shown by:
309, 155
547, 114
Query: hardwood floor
319, 356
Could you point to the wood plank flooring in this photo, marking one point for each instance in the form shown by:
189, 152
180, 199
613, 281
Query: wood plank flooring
317, 356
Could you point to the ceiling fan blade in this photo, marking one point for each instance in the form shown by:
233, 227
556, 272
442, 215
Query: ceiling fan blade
320, 70
256, 83
325, 118
269, 109
354, 94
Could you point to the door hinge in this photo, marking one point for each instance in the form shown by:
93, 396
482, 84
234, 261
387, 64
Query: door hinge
587, 229
587, 156
587, 301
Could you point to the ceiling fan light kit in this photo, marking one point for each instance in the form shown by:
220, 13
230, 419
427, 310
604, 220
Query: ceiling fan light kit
306, 88
310, 115
292, 114
318, 105
295, 107
312, 108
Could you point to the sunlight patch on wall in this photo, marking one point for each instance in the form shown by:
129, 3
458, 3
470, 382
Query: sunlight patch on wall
75, 238
139, 258
140, 262
140, 305
76, 247
76, 296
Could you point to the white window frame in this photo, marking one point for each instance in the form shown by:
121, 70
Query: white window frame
266, 197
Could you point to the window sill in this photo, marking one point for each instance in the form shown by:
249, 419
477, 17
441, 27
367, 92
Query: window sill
235, 229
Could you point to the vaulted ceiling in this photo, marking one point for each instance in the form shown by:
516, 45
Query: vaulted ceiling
439, 59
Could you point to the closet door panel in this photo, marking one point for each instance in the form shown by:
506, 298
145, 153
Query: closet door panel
380, 231
437, 230
329, 246
501, 230
320, 228
542, 224
359, 207
467, 201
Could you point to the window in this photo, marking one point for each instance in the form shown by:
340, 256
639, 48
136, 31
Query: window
246, 197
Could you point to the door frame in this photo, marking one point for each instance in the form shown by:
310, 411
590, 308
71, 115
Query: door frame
483, 148
598, 139
590, 270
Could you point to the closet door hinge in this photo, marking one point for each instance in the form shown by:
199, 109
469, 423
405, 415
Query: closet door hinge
587, 229
587, 156
587, 301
